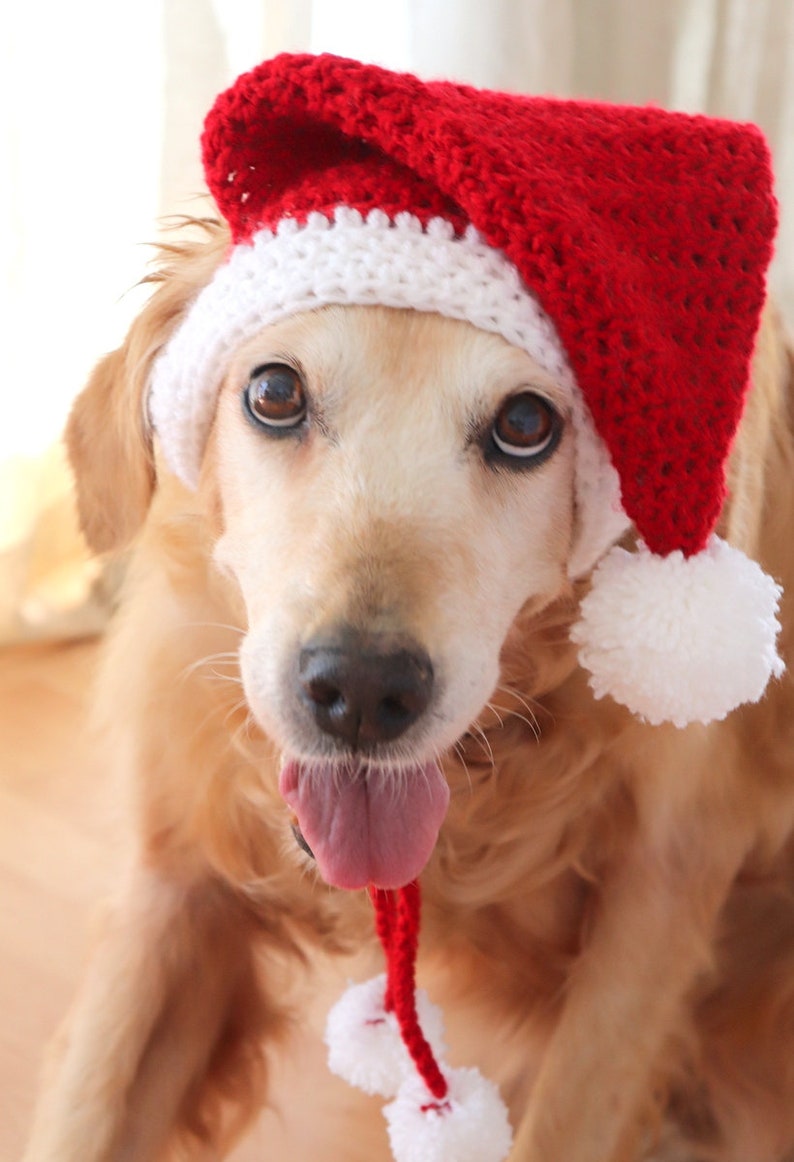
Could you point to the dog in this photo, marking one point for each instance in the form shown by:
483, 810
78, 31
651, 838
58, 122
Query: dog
608, 907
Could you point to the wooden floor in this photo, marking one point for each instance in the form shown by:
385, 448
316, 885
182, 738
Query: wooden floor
56, 852
61, 846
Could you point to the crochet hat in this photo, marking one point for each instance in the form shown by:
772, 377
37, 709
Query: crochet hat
624, 249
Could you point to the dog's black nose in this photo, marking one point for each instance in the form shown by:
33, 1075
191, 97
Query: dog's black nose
364, 689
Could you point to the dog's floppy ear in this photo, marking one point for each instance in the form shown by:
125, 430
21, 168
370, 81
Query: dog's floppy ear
108, 435
111, 453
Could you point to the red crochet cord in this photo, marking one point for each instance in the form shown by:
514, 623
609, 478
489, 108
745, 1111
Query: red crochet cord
397, 925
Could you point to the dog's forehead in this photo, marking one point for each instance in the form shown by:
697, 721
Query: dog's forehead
354, 356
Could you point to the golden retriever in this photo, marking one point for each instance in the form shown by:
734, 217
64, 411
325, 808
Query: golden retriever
608, 909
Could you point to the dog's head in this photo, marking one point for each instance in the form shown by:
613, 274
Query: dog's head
393, 488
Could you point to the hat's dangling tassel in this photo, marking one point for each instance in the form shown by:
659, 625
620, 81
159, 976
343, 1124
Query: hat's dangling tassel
386, 1037
397, 924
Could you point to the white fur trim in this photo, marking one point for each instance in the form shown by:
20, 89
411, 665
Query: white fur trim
680, 639
367, 261
469, 1125
364, 1044
600, 519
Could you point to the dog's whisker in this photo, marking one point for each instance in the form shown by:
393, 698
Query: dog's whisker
459, 751
481, 737
243, 729
531, 720
242, 726
529, 707
532, 723
214, 625
495, 710
223, 657
526, 701
219, 712
235, 679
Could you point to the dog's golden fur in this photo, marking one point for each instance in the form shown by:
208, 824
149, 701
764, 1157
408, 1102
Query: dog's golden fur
608, 912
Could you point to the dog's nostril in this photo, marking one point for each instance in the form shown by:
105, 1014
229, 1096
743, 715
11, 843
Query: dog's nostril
396, 709
364, 690
324, 693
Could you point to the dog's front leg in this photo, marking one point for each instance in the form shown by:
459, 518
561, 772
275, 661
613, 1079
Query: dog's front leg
168, 1020
648, 943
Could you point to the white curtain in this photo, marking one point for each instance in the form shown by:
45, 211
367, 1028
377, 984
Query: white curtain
100, 111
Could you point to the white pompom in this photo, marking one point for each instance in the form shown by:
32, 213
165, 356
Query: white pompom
469, 1125
679, 639
364, 1044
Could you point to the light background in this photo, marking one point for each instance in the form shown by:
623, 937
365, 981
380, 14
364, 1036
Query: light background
101, 105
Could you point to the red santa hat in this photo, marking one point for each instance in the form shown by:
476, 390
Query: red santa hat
625, 249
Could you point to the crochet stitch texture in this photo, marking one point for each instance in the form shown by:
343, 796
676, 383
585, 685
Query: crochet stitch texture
644, 234
624, 249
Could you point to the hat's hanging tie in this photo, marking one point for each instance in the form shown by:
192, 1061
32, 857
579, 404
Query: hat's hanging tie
387, 1038
397, 924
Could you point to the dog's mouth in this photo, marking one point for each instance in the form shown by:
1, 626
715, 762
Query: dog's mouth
299, 837
364, 823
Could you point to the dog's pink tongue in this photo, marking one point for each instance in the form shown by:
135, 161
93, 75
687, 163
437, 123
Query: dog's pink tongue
367, 826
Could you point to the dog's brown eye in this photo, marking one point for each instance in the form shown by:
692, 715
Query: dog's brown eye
275, 397
526, 426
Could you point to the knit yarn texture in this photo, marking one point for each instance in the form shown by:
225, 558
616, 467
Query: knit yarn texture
645, 236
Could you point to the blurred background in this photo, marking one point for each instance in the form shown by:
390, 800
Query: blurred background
101, 110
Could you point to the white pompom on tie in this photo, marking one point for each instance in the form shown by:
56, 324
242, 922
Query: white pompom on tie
680, 639
376, 1042
470, 1124
364, 1044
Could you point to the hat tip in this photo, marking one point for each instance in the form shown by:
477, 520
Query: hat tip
680, 639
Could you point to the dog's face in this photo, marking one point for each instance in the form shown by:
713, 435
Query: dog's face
395, 488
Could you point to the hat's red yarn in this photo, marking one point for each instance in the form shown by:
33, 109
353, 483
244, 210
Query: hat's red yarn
645, 235
397, 925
